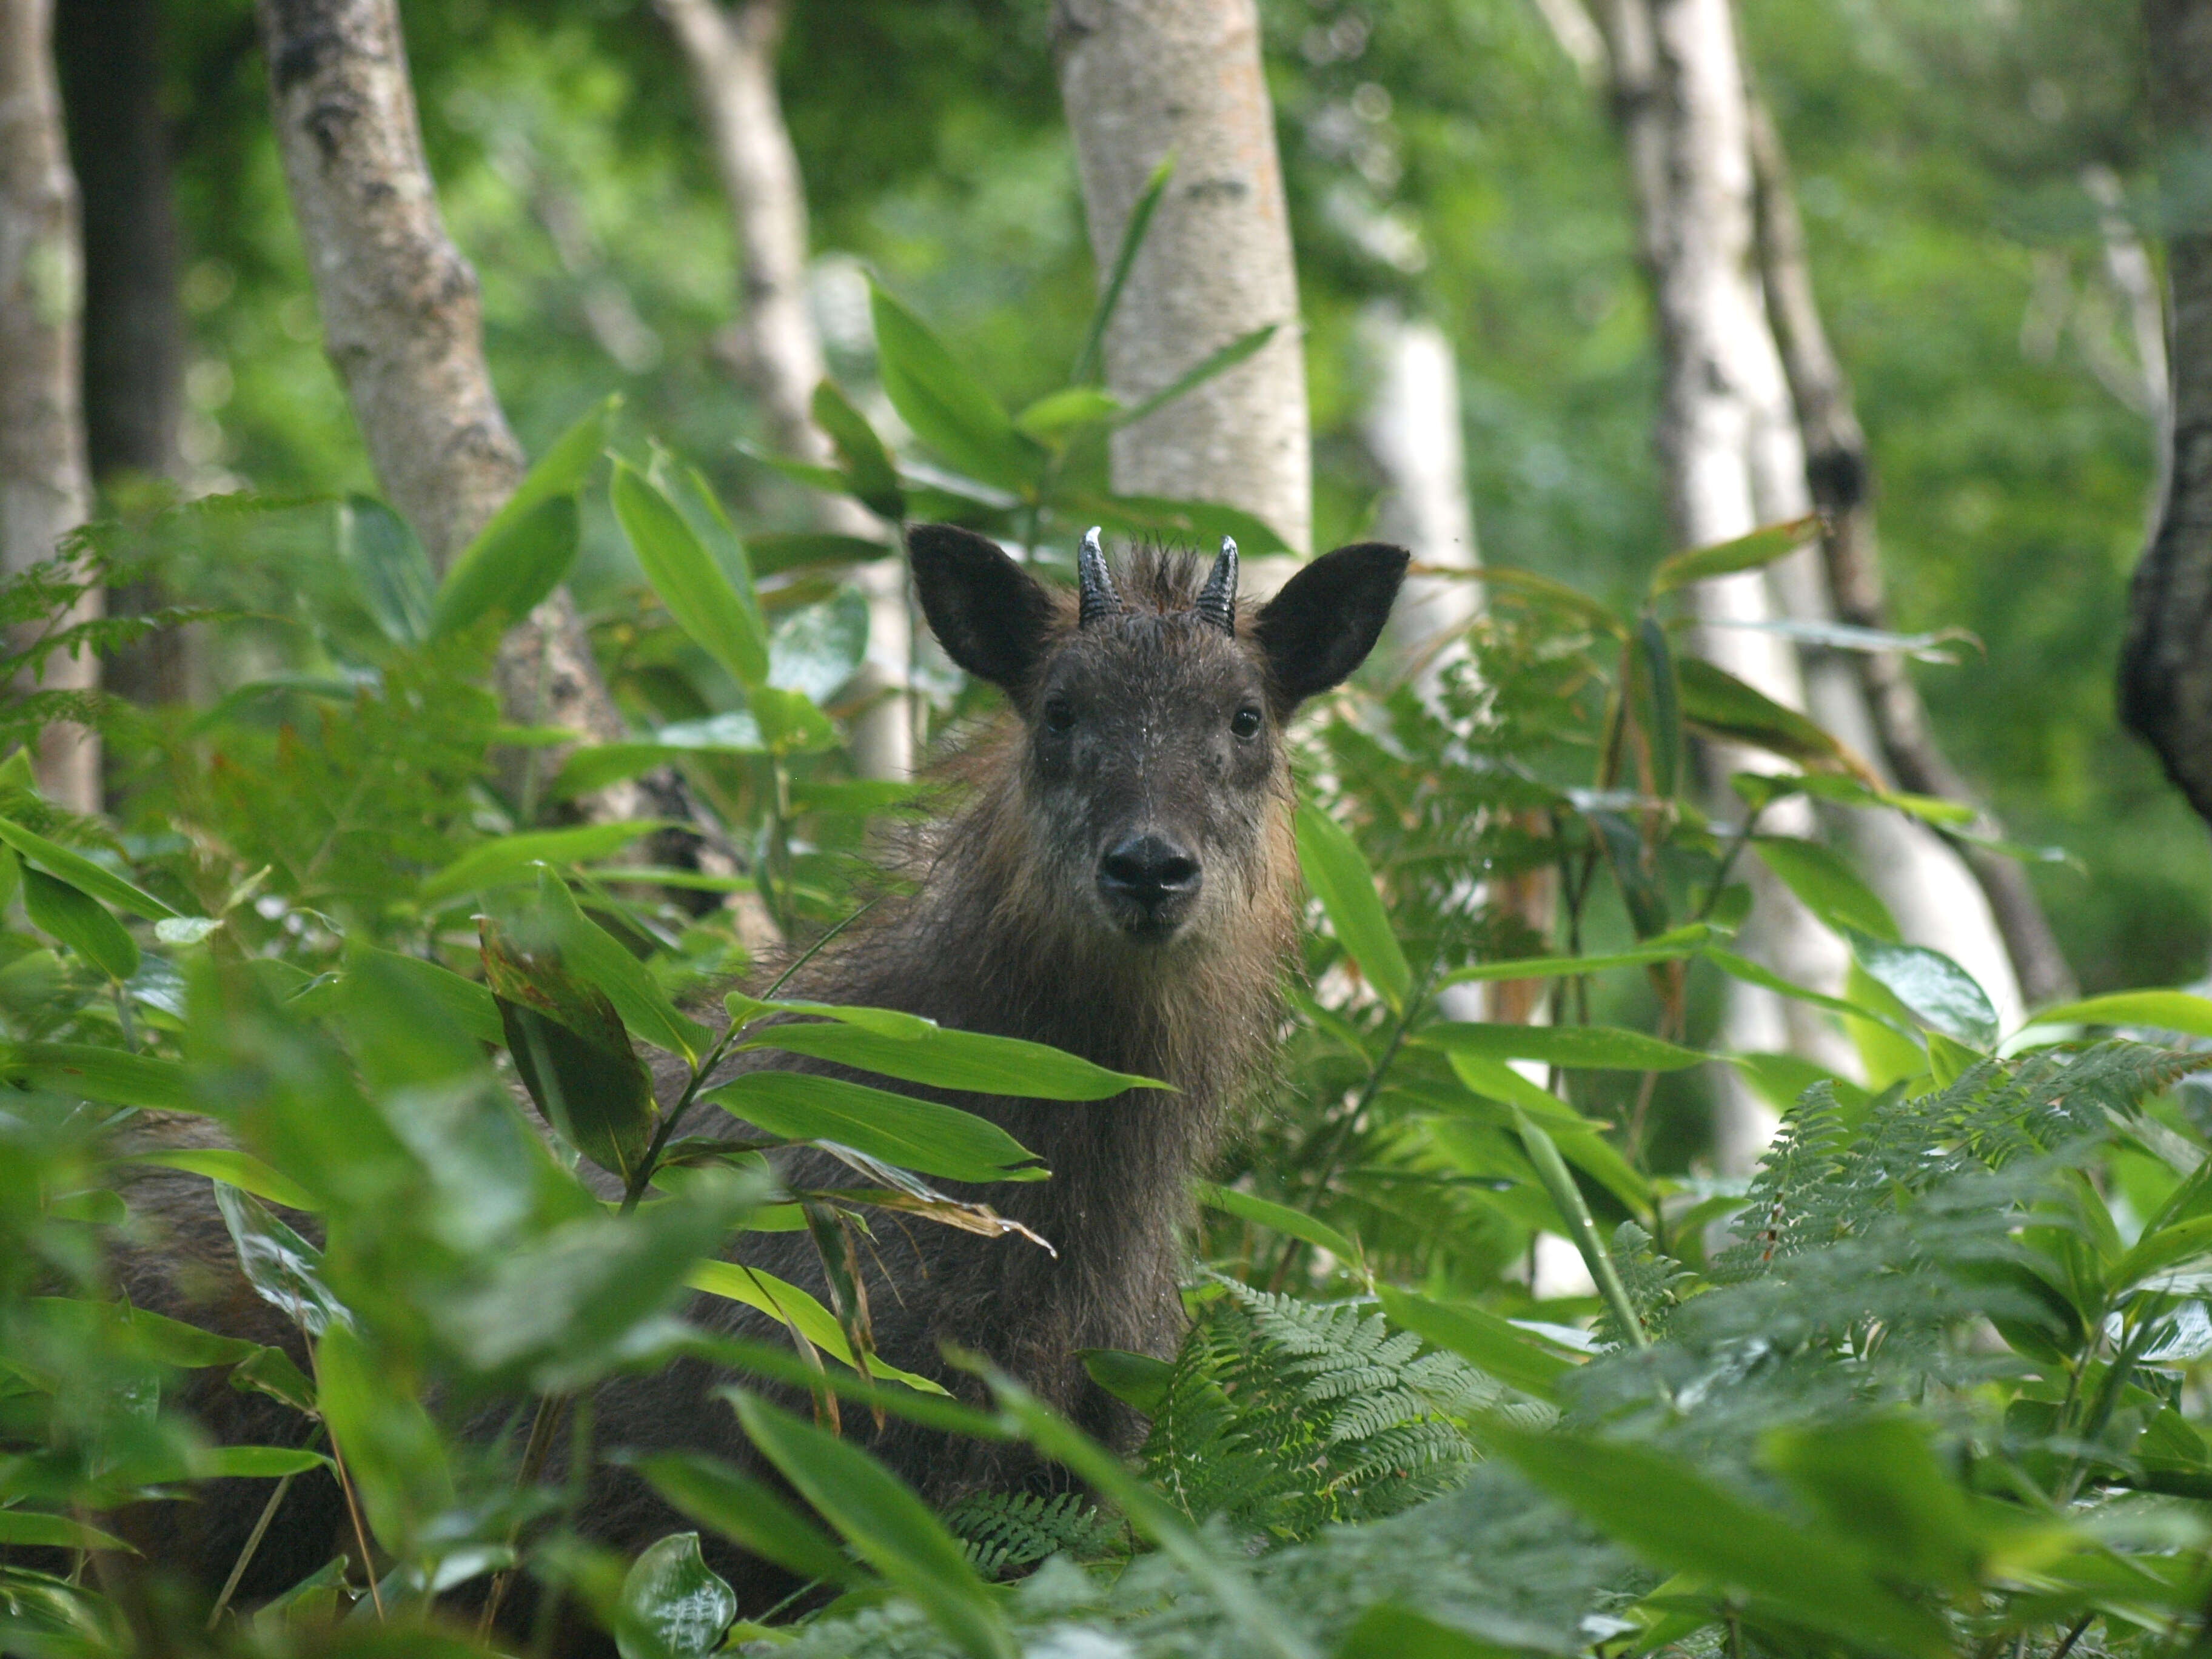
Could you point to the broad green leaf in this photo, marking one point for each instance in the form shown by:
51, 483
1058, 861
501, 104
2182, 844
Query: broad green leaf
1751, 973
1339, 874
1661, 704
470, 1005
186, 930
914, 1134
1058, 413
1760, 788
1761, 547
32, 1529
1666, 1512
508, 571
2159, 1248
1481, 1338
684, 575
1826, 885
508, 859
506, 565
790, 722
777, 551
571, 1051
2161, 1011
108, 1075
893, 1530
1670, 947
743, 1508
253, 1462
1938, 991
390, 567
1389, 1632
1213, 364
1602, 1047
673, 1605
1296, 1223
393, 1452
168, 1341
952, 1060
1718, 704
590, 951
1577, 1138
787, 1305
240, 1169
82, 873
1134, 1379
1117, 278
826, 479
884, 1022
1201, 523
1567, 1198
948, 407
81, 922
867, 464
1890, 1050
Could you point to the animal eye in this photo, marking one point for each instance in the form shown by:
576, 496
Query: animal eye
1059, 717
1245, 723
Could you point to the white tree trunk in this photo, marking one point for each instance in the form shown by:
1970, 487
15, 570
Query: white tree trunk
1412, 429
731, 56
1142, 78
402, 326
44, 489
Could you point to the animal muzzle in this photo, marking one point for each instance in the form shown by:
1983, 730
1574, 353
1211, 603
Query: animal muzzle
1149, 884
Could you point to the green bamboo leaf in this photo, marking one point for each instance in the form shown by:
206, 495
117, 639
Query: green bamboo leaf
893, 1530
1481, 1338
108, 1075
1567, 1199
388, 562
1117, 278
82, 873
1751, 973
1296, 1223
947, 407
253, 1462
1543, 589
508, 859
1826, 885
867, 464
701, 598
1600, 1048
1052, 417
952, 1060
787, 1305
507, 575
1760, 548
470, 1005
1683, 942
1339, 874
1669, 1512
1661, 705
240, 1169
2162, 1011
922, 1135
1200, 523
590, 951
1244, 346
32, 1529
1718, 705
81, 922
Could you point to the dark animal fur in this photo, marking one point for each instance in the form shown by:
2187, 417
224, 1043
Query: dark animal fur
1118, 728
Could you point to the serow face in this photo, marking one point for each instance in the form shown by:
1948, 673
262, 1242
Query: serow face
1152, 769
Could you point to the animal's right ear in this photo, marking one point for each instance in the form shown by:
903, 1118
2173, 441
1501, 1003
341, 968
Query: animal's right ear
991, 615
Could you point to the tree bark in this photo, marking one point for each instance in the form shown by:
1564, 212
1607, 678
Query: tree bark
2165, 664
402, 325
1412, 428
1142, 79
109, 55
1839, 472
730, 57
43, 489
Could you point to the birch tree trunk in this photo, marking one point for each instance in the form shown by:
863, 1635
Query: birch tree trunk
730, 53
402, 326
1142, 78
1412, 429
2165, 664
1839, 472
43, 487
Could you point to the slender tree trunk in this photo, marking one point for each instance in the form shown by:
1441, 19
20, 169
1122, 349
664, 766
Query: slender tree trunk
2165, 664
1142, 79
1839, 472
730, 55
109, 54
1412, 429
401, 323
43, 489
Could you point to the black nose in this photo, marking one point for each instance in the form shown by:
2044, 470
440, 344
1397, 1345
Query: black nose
1148, 871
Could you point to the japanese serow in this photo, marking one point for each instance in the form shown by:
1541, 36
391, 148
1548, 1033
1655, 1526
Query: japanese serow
1117, 880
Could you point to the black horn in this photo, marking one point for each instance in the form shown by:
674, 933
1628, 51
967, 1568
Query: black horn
1217, 600
1096, 587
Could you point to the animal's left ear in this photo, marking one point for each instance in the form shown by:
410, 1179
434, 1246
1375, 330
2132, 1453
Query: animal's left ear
1324, 621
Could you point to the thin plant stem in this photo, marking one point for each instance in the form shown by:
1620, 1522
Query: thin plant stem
246, 1555
2073, 1635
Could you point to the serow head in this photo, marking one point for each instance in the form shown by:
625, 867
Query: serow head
1152, 779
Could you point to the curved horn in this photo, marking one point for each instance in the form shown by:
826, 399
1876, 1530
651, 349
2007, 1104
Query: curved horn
1217, 600
1096, 587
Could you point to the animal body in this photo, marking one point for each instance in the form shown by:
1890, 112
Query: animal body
1117, 881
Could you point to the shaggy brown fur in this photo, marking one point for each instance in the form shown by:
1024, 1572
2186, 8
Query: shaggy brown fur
1134, 725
